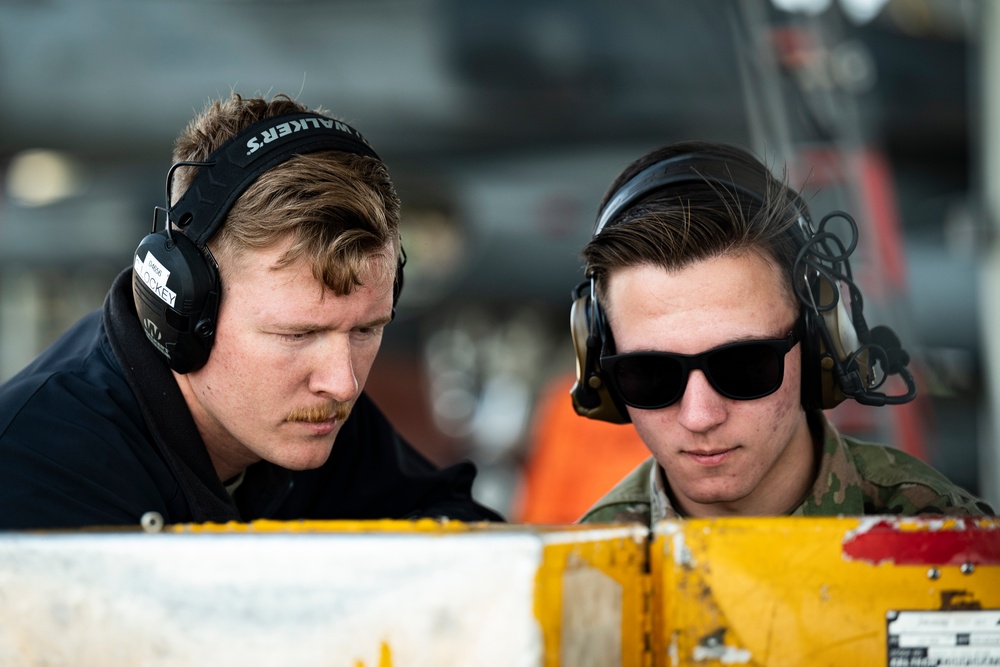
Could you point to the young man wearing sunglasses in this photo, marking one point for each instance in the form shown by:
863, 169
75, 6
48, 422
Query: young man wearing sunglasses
721, 321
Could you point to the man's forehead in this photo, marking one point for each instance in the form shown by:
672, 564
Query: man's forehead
728, 281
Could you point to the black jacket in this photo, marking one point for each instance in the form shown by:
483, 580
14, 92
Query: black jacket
95, 432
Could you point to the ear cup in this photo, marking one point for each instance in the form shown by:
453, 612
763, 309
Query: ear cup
175, 285
833, 357
590, 394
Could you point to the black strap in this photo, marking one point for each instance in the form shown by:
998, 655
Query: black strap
236, 164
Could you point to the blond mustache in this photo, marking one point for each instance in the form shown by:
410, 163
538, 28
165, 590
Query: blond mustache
320, 413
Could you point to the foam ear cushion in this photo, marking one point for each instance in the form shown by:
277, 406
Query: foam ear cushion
579, 324
590, 394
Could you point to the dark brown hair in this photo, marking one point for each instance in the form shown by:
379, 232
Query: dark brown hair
682, 223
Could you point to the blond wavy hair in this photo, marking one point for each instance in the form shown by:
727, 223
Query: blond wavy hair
341, 210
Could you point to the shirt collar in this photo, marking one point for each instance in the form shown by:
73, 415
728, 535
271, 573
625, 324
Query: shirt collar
660, 507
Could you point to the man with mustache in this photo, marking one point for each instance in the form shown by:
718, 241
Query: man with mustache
721, 320
223, 378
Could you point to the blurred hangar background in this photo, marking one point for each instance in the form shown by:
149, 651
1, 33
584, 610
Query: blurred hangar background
502, 124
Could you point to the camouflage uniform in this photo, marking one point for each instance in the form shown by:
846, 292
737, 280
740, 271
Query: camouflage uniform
855, 478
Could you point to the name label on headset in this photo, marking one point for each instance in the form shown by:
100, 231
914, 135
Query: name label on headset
155, 276
283, 129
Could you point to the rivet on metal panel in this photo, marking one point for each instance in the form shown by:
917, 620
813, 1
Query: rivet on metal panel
933, 573
968, 568
152, 522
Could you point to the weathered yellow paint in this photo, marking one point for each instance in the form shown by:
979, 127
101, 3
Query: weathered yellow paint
384, 659
623, 562
785, 591
751, 591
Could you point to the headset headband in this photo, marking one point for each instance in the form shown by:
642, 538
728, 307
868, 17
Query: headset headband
240, 161
686, 168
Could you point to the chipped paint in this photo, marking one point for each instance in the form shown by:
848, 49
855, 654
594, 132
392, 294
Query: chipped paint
866, 523
910, 541
687, 611
333, 594
727, 655
591, 598
713, 647
786, 593
682, 554
739, 591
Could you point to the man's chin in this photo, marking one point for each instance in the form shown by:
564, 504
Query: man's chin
724, 500
304, 456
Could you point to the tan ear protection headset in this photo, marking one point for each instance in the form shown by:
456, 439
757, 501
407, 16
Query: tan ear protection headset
175, 280
841, 357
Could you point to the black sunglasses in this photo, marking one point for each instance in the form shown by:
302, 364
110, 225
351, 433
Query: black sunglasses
742, 371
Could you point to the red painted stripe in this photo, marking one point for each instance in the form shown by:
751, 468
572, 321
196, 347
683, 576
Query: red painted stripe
884, 542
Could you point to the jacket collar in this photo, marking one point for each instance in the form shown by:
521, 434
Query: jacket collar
163, 407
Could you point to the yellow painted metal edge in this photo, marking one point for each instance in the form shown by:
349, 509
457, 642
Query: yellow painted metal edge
623, 561
788, 591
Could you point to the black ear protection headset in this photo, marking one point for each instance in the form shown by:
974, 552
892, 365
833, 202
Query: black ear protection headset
841, 357
175, 279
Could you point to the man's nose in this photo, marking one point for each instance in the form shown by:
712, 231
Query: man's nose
333, 369
701, 407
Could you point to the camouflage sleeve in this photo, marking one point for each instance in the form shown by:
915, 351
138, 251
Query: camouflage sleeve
627, 502
618, 513
912, 499
893, 482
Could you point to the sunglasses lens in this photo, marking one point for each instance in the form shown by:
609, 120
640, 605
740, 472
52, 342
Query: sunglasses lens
746, 371
647, 381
